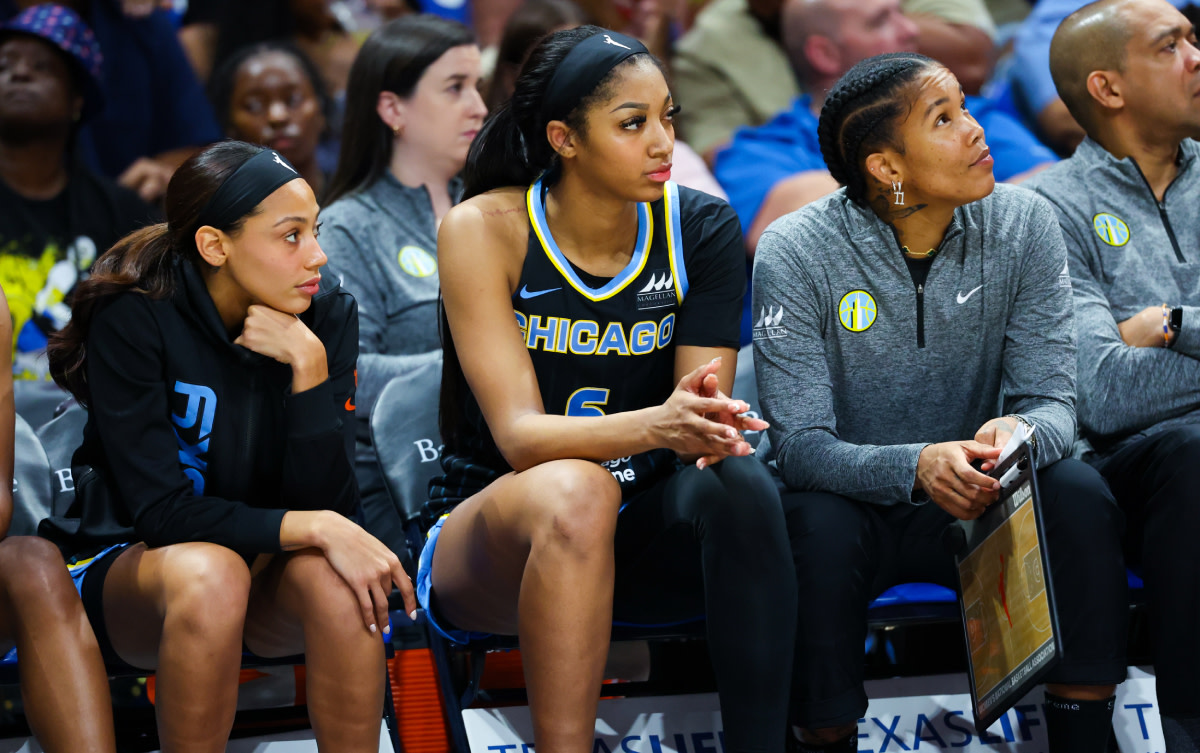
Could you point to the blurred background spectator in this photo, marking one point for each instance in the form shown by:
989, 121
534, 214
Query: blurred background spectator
529, 23
412, 110
272, 94
155, 113
56, 215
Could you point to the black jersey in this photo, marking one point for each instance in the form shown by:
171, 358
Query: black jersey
607, 345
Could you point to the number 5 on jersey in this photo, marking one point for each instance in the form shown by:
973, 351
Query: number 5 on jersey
587, 401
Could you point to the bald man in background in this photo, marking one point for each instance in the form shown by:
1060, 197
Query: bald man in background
732, 69
776, 168
1129, 72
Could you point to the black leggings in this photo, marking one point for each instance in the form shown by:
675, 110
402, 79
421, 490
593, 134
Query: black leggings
1154, 482
848, 552
713, 543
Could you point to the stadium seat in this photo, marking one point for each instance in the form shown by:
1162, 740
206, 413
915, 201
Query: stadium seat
60, 437
404, 432
31, 481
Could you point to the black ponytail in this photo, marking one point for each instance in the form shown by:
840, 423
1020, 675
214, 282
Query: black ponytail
511, 149
861, 113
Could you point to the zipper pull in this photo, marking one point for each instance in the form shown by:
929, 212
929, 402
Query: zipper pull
921, 289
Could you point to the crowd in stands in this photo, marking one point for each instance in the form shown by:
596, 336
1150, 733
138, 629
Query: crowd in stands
930, 224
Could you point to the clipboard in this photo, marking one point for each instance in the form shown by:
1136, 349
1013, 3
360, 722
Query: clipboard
1009, 615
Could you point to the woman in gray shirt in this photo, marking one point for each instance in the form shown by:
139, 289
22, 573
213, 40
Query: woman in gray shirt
412, 110
908, 323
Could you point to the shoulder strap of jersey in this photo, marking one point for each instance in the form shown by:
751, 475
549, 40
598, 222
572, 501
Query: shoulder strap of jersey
675, 239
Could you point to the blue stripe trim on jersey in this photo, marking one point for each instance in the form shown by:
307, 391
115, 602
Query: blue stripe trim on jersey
675, 239
641, 252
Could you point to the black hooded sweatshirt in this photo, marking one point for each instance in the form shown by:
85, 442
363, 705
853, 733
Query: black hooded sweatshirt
193, 438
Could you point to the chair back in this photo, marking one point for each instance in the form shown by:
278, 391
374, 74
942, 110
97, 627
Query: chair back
404, 431
60, 437
31, 481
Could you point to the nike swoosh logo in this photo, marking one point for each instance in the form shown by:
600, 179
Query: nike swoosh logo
963, 298
526, 293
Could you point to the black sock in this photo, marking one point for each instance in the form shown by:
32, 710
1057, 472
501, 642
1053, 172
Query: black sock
1074, 726
1181, 733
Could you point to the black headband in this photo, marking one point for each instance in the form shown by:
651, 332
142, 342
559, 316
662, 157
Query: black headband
583, 68
255, 180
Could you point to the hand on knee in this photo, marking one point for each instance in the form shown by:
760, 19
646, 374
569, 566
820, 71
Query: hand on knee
354, 563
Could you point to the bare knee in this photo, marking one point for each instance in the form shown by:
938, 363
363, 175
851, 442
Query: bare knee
318, 591
205, 587
575, 507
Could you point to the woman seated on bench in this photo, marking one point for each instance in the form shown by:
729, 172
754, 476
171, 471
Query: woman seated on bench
626, 294
63, 683
897, 316
218, 368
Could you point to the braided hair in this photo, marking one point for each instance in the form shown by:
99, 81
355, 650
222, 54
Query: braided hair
860, 115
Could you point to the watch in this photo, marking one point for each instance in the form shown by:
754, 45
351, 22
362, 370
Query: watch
1175, 322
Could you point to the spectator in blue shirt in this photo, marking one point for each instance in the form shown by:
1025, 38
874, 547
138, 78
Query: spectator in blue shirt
776, 168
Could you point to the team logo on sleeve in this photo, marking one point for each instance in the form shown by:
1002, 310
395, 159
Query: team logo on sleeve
857, 311
767, 327
1111, 229
417, 262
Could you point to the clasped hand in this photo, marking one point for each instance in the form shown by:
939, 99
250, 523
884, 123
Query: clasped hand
701, 423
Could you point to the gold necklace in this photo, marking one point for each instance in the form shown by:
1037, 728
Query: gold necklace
928, 254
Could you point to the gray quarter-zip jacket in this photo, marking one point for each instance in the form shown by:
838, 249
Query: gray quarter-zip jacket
1128, 251
858, 369
382, 244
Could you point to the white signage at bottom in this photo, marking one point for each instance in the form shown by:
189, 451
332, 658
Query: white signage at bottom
905, 714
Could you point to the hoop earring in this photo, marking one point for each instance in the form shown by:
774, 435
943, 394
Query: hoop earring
898, 192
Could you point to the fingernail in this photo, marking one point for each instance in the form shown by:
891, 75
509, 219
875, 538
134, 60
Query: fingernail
413, 615
387, 630
753, 450
374, 629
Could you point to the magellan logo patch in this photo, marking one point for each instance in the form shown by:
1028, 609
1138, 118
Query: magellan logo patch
857, 311
768, 325
417, 262
658, 293
1111, 229
1064, 277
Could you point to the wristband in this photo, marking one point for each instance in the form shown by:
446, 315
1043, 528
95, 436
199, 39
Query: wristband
1166, 325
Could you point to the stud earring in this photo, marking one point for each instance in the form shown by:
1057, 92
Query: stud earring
398, 130
898, 191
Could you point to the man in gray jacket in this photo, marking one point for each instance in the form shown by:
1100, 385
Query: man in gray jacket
1129, 71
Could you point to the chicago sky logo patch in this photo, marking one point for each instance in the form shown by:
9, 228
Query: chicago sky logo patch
857, 311
417, 262
1111, 229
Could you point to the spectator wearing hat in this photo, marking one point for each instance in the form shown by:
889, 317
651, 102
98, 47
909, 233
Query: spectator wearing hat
56, 216
155, 114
